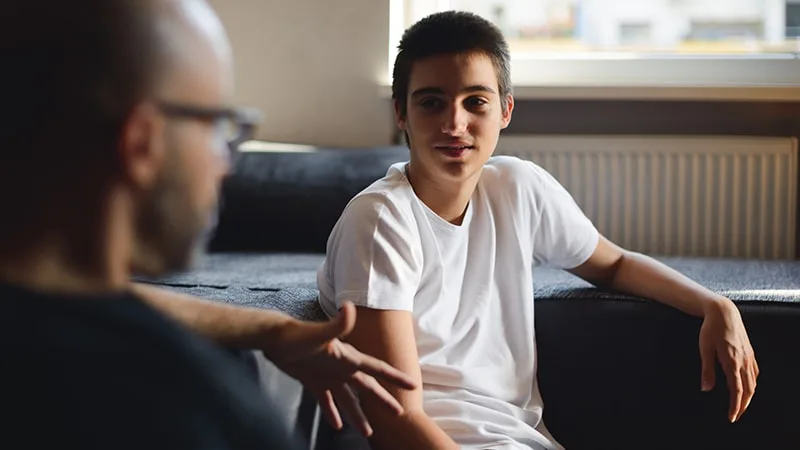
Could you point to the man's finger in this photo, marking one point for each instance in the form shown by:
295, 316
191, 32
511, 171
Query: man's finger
377, 368
328, 407
736, 391
749, 389
707, 360
351, 408
370, 385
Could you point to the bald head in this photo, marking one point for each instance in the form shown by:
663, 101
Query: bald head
192, 39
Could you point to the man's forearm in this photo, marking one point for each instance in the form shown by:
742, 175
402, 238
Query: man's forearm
643, 276
230, 326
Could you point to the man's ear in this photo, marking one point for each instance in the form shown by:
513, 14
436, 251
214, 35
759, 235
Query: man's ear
399, 115
141, 146
506, 119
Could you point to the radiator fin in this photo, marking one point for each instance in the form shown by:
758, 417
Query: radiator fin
707, 196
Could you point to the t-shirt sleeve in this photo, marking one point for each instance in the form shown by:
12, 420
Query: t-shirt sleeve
374, 258
563, 237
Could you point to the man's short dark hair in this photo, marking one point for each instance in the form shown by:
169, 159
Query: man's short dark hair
450, 32
72, 73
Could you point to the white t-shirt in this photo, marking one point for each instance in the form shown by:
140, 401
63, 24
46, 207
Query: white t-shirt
469, 289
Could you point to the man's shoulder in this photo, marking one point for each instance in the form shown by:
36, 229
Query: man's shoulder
393, 184
389, 197
506, 170
505, 165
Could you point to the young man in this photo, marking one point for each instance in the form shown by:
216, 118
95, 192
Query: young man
437, 256
113, 143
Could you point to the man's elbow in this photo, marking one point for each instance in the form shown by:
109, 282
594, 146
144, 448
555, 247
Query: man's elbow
606, 273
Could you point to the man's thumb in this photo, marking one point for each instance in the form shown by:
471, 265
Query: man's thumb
337, 327
346, 319
708, 368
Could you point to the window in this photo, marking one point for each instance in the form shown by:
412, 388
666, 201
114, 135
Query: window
679, 43
793, 20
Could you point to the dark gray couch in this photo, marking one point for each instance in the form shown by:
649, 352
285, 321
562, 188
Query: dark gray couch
615, 372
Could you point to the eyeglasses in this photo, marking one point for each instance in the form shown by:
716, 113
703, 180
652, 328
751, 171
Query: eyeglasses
234, 125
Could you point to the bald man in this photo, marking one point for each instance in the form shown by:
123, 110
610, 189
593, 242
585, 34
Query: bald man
112, 147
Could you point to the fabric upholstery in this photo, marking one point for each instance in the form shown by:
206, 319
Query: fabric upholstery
751, 281
270, 193
614, 371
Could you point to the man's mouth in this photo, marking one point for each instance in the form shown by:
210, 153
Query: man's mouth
454, 150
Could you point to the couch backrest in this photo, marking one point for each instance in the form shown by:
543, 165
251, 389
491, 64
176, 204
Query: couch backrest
290, 201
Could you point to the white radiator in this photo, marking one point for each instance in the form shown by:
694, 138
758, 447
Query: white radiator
678, 196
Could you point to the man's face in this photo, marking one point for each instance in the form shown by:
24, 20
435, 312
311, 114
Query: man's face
454, 115
181, 205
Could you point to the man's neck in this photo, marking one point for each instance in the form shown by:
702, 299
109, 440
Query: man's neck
48, 271
56, 264
448, 200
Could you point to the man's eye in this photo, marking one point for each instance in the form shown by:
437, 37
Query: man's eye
430, 103
476, 102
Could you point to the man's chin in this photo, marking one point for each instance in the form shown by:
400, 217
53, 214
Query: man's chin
195, 253
172, 259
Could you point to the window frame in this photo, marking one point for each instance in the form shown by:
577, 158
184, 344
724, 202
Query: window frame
620, 75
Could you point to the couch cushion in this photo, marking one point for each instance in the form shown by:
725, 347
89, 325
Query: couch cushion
298, 302
279, 280
305, 192
265, 271
750, 281
738, 279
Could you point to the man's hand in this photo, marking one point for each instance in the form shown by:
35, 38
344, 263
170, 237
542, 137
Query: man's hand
329, 368
310, 352
723, 337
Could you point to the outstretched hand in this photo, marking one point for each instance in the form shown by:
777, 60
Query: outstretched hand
723, 337
331, 369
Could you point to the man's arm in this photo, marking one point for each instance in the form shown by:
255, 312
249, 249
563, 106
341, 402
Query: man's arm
310, 352
636, 274
723, 334
227, 325
389, 336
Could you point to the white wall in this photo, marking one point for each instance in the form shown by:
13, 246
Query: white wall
314, 67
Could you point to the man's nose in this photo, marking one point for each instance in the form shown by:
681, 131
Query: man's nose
455, 121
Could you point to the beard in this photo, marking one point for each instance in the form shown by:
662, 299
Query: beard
171, 234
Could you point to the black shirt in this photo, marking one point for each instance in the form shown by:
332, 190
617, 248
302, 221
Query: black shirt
109, 372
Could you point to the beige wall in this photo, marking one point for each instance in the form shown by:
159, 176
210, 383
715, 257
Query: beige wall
314, 68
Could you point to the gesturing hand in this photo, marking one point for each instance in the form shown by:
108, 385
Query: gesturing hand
330, 369
723, 337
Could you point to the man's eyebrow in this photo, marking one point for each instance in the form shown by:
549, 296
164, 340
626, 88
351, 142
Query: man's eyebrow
479, 88
427, 91
439, 91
